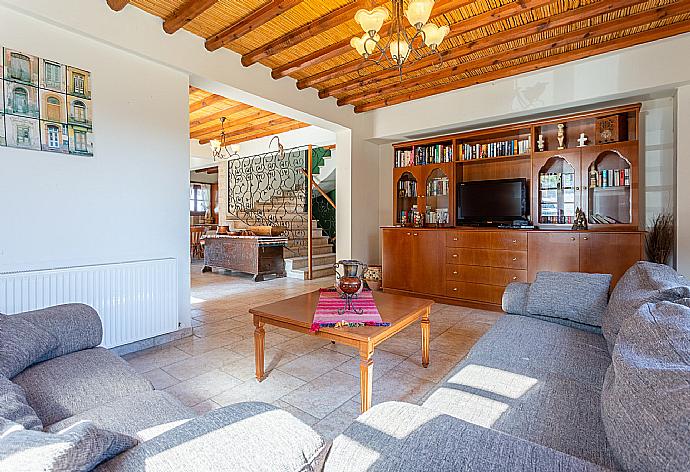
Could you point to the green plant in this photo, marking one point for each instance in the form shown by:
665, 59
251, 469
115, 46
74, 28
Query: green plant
660, 238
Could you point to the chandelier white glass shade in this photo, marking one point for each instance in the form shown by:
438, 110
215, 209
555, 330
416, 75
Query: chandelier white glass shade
400, 47
220, 149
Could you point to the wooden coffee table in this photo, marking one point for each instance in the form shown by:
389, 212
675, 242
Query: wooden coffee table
297, 314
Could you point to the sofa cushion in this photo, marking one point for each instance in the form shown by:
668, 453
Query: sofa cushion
244, 436
393, 437
15, 408
143, 415
78, 448
572, 296
644, 282
646, 395
22, 344
75, 326
78, 382
535, 380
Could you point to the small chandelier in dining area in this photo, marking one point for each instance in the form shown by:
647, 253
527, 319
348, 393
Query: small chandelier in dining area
400, 47
220, 148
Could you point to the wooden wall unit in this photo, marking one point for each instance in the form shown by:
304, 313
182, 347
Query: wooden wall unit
472, 266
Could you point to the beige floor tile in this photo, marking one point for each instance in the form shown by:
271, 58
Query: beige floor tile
273, 387
453, 344
245, 347
324, 394
383, 362
305, 417
314, 364
401, 345
202, 363
205, 407
209, 329
338, 421
439, 365
195, 345
160, 379
245, 368
399, 387
203, 387
303, 344
156, 357
342, 349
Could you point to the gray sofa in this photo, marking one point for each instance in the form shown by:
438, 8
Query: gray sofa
71, 405
564, 381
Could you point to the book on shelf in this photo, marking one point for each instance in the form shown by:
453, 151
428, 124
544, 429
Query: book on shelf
609, 178
602, 219
437, 187
556, 181
426, 154
513, 147
407, 188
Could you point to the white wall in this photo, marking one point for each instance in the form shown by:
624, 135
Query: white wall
130, 201
683, 171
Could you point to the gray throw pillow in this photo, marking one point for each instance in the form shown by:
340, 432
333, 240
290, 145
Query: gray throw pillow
14, 407
645, 400
80, 447
683, 301
642, 283
22, 344
577, 297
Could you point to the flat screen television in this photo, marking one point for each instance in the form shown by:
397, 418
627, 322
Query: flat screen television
492, 201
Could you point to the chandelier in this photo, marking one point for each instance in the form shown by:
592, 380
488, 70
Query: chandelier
220, 149
400, 48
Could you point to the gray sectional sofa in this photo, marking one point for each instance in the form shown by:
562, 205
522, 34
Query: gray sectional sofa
567, 380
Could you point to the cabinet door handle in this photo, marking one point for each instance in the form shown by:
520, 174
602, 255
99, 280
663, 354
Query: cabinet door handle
514, 259
455, 239
515, 277
455, 289
572, 239
455, 255
577, 188
455, 272
415, 234
586, 238
409, 234
514, 241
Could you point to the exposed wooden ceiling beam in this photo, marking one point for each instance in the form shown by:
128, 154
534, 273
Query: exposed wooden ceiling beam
186, 13
206, 102
537, 64
457, 29
117, 5
231, 126
279, 125
228, 112
509, 54
342, 47
335, 18
494, 39
250, 22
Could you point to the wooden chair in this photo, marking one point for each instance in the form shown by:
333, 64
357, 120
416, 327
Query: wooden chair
196, 250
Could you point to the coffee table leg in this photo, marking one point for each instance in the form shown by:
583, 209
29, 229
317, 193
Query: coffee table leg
366, 374
259, 335
426, 331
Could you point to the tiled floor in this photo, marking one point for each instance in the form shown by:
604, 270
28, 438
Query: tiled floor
315, 380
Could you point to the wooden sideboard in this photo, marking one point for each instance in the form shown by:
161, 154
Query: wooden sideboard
471, 266
256, 255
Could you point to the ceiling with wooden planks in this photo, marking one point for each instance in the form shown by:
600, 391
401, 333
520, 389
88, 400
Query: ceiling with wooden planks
243, 122
489, 39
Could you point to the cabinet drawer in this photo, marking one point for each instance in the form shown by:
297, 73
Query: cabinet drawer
509, 259
509, 240
469, 239
484, 275
487, 258
475, 292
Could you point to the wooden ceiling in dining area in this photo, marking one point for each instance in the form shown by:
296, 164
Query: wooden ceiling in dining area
243, 122
309, 40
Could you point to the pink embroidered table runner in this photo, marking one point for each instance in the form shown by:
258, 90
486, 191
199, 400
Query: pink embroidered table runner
326, 315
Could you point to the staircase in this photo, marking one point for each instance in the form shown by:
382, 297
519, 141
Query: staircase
288, 210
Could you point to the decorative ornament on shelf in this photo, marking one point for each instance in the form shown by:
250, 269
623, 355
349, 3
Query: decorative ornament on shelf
399, 48
561, 136
582, 140
580, 223
220, 148
373, 277
541, 143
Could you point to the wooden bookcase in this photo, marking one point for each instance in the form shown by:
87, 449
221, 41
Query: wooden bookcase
601, 179
472, 266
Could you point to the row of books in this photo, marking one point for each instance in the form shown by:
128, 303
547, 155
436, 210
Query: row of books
556, 181
609, 178
512, 147
407, 188
437, 187
420, 155
602, 219
557, 220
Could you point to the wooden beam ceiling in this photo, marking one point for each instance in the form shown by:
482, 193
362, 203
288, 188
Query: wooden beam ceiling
309, 41
117, 5
258, 17
242, 122
186, 13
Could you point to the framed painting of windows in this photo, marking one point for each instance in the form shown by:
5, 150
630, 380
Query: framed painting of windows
45, 105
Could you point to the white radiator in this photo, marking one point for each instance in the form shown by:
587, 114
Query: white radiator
136, 300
